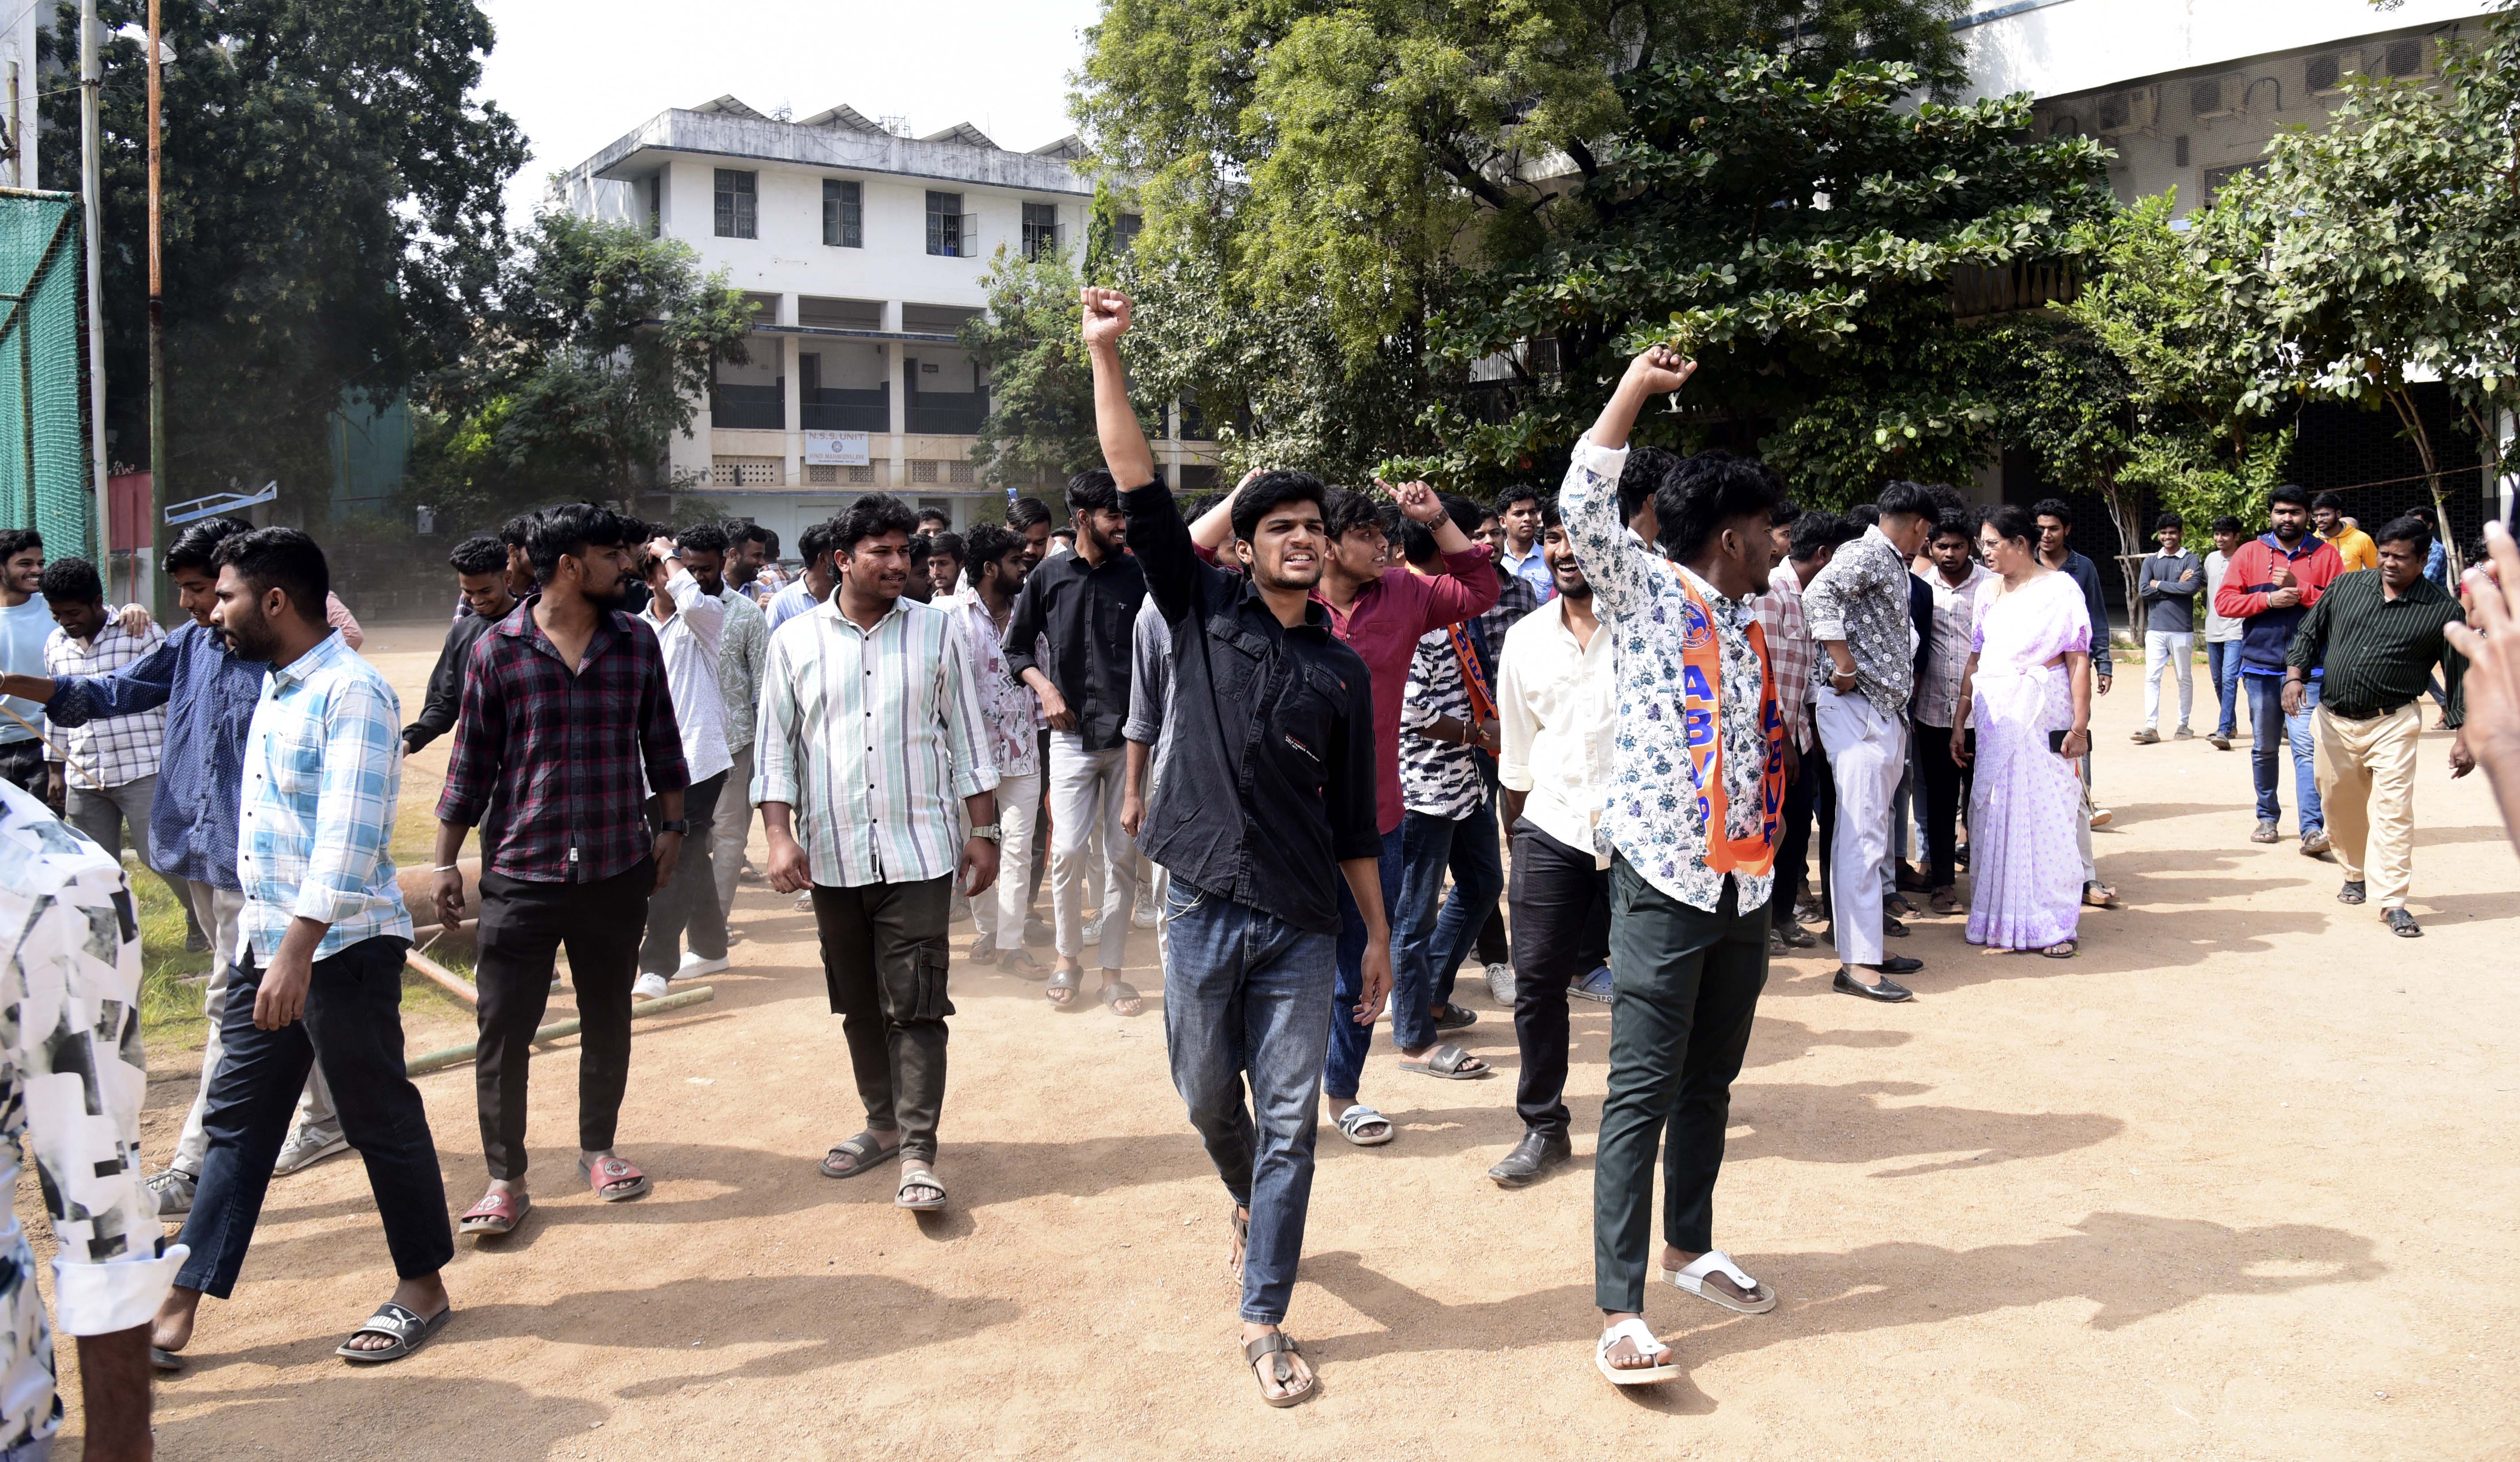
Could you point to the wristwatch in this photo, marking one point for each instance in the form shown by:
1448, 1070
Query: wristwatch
988, 830
674, 825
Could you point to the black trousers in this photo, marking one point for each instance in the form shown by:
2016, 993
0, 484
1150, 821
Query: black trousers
352, 1028
1494, 947
688, 903
23, 762
1793, 840
522, 926
1684, 985
1561, 922
885, 960
1945, 793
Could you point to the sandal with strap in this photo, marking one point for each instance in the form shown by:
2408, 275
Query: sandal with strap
1692, 1279
1069, 982
495, 1214
919, 1177
613, 1180
1445, 1062
1639, 1335
1364, 1126
396, 1323
2061, 949
863, 1148
1118, 991
1451, 1017
1274, 1348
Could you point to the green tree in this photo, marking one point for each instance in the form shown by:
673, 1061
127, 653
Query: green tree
331, 220
1040, 389
1801, 236
2376, 255
600, 348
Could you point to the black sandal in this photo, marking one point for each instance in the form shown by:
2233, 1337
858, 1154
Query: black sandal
864, 1148
403, 1326
1275, 1347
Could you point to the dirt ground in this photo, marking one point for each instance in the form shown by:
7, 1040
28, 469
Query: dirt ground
2236, 1183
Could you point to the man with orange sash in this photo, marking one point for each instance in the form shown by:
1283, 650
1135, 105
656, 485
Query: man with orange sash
1690, 817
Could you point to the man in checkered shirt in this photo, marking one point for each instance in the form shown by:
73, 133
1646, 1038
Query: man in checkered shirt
110, 777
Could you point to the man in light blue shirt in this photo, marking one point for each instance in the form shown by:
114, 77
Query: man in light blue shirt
811, 587
1518, 515
25, 624
319, 952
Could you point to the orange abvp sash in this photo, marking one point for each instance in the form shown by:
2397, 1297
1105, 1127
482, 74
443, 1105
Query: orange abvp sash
1702, 723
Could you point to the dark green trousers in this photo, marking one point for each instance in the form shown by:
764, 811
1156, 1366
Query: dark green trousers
1684, 985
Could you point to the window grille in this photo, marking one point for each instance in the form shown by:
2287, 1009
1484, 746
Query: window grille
737, 207
843, 214
746, 472
1040, 229
949, 230
821, 475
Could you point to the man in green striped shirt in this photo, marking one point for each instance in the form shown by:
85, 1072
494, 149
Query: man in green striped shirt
2377, 637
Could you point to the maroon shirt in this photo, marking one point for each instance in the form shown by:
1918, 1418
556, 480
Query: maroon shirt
549, 764
1384, 627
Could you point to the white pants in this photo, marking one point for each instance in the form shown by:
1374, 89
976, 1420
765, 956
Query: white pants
1867, 751
219, 910
1085, 793
999, 912
2166, 650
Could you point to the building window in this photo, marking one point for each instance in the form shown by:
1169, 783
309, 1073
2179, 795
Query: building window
948, 227
844, 216
1127, 234
1040, 229
738, 210
656, 205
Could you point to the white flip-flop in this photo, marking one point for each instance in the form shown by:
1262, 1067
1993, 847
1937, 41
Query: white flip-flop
1716, 1262
1646, 1342
1353, 1121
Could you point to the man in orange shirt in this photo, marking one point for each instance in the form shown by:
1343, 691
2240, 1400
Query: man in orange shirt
2354, 547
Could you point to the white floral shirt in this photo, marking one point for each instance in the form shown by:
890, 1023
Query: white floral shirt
1651, 814
1007, 706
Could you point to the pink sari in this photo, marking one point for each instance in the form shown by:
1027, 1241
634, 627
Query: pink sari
2026, 870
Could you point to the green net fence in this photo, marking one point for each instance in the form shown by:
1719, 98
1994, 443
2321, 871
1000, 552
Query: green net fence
44, 472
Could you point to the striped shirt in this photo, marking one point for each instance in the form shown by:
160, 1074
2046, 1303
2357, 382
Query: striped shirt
873, 738
323, 766
109, 751
2379, 652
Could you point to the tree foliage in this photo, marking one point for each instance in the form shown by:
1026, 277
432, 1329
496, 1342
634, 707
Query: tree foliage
1799, 236
1041, 389
599, 349
331, 218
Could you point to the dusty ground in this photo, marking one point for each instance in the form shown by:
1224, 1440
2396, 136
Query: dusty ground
2239, 1182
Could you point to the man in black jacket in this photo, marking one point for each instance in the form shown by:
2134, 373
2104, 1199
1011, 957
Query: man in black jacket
482, 564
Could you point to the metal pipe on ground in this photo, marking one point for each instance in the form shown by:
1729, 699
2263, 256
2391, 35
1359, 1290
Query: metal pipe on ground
433, 1061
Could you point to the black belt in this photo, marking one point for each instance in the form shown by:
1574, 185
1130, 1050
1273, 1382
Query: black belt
2342, 713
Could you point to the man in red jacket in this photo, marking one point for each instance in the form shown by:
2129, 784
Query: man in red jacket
2270, 584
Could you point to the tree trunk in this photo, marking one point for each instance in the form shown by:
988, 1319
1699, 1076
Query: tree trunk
2403, 402
2122, 517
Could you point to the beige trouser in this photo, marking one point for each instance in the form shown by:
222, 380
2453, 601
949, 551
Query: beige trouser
2366, 782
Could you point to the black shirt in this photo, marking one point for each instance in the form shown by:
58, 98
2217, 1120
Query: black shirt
2379, 652
1090, 615
437, 707
1281, 718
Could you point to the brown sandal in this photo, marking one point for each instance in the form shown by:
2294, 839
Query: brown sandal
1275, 1347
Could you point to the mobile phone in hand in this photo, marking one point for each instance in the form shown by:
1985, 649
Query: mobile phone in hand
2057, 740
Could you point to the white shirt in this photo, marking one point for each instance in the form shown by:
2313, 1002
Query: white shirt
1937, 694
2218, 630
690, 641
1557, 712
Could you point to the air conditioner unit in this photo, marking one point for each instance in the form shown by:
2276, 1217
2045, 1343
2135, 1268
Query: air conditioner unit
2405, 58
2217, 97
2325, 75
2119, 113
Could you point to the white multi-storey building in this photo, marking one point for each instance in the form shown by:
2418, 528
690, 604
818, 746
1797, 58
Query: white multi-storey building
864, 249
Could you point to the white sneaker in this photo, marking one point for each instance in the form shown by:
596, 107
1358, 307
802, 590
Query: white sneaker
805, 901
694, 966
1144, 915
308, 1146
1501, 985
647, 988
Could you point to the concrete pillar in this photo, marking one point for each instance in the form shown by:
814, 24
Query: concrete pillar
897, 449
792, 409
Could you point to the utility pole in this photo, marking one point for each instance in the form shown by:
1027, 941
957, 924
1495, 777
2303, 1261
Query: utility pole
158, 498
92, 192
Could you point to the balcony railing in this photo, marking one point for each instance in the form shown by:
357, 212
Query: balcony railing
947, 413
831, 409
747, 408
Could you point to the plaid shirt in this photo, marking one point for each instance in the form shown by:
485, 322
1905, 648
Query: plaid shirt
874, 737
115, 749
1516, 598
323, 766
549, 764
72, 1080
1790, 649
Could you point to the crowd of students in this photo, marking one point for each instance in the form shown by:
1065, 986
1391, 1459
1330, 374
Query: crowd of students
1294, 731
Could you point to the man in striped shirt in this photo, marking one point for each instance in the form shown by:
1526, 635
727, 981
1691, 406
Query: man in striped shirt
871, 733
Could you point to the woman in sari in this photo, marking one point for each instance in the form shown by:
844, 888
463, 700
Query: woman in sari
2029, 678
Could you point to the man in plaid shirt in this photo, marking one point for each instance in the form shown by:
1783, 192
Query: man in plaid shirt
566, 726
1790, 653
116, 779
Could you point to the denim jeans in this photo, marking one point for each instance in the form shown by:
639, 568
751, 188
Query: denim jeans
2265, 712
1349, 1040
1478, 883
352, 1028
1426, 855
1247, 996
2223, 664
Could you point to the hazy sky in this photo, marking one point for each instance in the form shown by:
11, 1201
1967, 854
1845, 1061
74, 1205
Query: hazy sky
576, 74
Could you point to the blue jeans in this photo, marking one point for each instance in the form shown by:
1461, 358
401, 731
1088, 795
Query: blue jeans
1426, 855
1246, 995
2265, 712
1348, 1039
1478, 882
2222, 665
